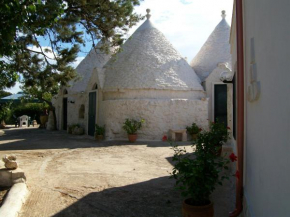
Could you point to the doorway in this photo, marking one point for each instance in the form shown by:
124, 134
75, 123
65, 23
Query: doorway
64, 113
220, 103
92, 113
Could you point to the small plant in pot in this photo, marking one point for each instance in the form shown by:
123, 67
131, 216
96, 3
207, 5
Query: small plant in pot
72, 127
193, 130
220, 135
131, 126
197, 175
99, 132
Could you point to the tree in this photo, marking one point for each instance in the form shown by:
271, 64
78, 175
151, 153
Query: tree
40, 39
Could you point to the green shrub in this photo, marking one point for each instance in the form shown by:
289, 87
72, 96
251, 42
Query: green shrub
33, 110
5, 112
99, 130
193, 129
198, 173
131, 126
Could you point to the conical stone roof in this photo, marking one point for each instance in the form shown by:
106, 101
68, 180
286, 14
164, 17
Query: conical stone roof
149, 61
215, 50
85, 69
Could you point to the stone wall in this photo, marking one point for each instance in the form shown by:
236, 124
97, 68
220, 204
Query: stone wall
160, 116
72, 110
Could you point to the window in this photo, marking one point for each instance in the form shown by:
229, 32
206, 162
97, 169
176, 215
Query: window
95, 87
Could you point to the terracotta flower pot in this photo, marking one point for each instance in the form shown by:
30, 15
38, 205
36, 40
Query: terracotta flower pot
99, 138
197, 211
132, 137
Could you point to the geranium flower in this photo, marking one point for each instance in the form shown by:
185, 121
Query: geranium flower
164, 138
237, 174
233, 157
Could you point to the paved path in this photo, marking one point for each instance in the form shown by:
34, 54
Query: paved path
76, 176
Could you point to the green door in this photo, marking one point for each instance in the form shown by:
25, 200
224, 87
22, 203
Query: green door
220, 103
92, 113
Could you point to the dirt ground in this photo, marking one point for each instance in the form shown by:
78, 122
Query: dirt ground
74, 176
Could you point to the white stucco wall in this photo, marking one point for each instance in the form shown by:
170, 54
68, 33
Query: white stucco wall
72, 109
267, 120
153, 94
160, 116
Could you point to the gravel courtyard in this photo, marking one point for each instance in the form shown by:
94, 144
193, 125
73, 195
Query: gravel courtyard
74, 176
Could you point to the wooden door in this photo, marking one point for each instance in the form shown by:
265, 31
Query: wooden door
220, 103
92, 113
64, 114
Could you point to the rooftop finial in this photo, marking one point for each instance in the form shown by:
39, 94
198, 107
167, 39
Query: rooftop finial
148, 15
224, 14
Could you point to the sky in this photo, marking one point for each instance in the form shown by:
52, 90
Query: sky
185, 23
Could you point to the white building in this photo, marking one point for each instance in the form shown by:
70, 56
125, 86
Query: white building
260, 49
211, 62
72, 103
149, 79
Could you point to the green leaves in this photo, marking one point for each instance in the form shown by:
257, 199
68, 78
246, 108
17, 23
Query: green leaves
193, 129
64, 26
99, 130
131, 126
198, 173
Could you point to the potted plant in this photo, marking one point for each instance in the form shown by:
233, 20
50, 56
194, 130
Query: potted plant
75, 129
193, 130
197, 175
131, 126
99, 132
220, 134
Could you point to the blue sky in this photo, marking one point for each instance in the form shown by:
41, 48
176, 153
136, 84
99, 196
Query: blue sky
185, 23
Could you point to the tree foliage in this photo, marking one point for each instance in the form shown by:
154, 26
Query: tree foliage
40, 39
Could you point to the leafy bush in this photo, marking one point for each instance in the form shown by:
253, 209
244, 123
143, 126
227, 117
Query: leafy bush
193, 129
72, 127
219, 132
99, 130
198, 173
5, 112
131, 126
33, 110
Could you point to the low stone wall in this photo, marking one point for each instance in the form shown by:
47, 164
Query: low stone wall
17, 194
160, 116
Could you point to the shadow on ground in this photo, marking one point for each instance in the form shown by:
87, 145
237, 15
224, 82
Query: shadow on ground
34, 138
155, 197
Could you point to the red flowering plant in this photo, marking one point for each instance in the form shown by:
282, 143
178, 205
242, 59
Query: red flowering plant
198, 173
164, 138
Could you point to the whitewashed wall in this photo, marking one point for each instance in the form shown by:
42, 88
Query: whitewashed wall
160, 116
267, 120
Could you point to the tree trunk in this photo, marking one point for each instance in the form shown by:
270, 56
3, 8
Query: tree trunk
52, 108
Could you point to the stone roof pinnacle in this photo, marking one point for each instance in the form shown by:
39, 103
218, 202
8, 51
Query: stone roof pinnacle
148, 15
224, 14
